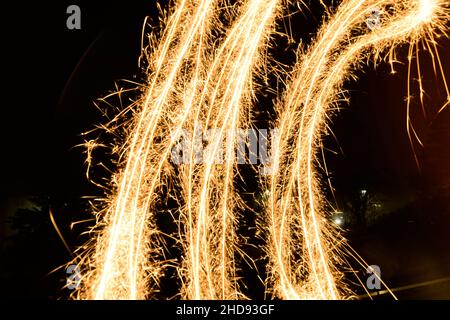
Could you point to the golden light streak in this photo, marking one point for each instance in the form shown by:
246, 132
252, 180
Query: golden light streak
200, 77
126, 262
223, 103
300, 234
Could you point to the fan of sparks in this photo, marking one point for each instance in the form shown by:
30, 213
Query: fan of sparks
204, 70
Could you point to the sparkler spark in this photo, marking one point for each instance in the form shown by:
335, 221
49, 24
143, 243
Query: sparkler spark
223, 101
200, 76
127, 254
300, 235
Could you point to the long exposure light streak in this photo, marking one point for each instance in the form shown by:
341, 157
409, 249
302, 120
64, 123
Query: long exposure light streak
300, 234
126, 255
224, 102
200, 76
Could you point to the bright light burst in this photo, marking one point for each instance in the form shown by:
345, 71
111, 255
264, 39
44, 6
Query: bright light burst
201, 74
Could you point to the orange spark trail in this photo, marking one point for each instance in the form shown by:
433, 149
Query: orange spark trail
200, 77
302, 248
224, 104
125, 263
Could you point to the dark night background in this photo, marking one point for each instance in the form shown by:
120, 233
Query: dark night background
53, 75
